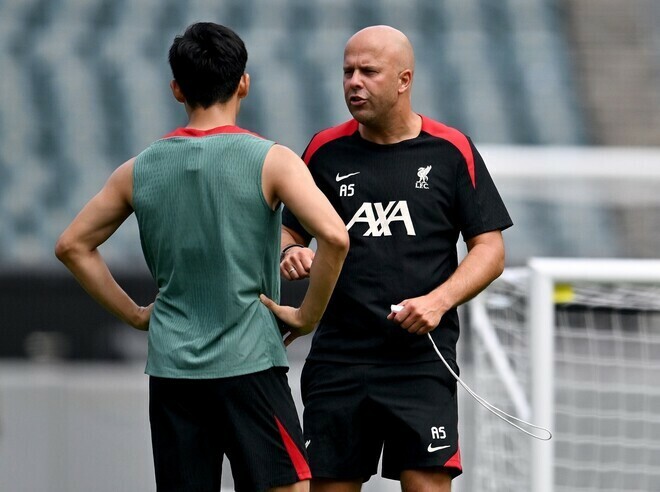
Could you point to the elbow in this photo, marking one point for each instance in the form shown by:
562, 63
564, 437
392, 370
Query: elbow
61, 249
499, 263
500, 266
64, 248
495, 253
335, 242
341, 242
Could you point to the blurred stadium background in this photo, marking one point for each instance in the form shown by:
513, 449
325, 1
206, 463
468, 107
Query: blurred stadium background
561, 96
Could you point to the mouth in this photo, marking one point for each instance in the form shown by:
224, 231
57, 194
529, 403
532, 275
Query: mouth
356, 100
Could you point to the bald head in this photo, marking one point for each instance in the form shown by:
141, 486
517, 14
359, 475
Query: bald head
388, 43
378, 74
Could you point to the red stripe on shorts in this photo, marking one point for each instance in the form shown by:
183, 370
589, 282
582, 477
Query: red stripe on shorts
298, 460
454, 461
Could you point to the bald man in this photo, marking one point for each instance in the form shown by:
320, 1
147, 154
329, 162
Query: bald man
406, 186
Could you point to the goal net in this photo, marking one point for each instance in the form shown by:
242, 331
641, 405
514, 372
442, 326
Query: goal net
573, 345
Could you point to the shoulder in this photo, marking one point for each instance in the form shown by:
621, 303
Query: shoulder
455, 137
328, 135
125, 171
281, 153
120, 181
445, 132
281, 161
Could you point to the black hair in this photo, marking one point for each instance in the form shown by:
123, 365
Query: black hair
207, 62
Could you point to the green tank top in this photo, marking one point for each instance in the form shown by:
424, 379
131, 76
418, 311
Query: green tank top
211, 242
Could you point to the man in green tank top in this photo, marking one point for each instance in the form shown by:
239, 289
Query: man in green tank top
207, 198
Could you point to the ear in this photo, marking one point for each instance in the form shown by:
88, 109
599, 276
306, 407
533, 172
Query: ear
243, 86
176, 91
405, 80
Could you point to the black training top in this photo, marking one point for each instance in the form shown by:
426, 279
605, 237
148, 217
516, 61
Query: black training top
404, 206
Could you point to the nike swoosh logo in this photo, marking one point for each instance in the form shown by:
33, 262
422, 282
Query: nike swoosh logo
341, 178
432, 449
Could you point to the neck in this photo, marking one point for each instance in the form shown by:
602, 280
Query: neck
213, 116
393, 130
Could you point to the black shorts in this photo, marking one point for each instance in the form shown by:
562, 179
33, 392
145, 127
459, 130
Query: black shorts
353, 411
252, 419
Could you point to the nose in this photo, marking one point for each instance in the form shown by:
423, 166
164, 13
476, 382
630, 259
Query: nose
354, 80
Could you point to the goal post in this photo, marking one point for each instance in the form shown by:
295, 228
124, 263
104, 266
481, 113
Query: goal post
610, 313
545, 274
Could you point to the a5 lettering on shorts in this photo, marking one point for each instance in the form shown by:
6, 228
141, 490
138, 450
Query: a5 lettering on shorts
353, 411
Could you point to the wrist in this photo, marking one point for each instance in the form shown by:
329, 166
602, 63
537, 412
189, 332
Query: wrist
287, 248
441, 301
136, 317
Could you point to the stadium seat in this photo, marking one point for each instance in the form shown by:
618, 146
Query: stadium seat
90, 89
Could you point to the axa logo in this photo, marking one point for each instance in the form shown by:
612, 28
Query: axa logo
378, 217
423, 175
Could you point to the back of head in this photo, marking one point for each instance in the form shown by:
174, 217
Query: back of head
207, 62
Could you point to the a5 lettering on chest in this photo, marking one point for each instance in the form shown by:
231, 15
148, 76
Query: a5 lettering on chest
346, 190
377, 200
375, 217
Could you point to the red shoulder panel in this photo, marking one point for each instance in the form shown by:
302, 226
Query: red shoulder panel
325, 136
456, 138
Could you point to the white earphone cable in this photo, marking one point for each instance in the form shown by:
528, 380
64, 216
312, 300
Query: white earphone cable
509, 419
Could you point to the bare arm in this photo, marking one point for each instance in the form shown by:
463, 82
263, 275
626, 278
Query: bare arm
287, 179
289, 237
483, 264
78, 245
